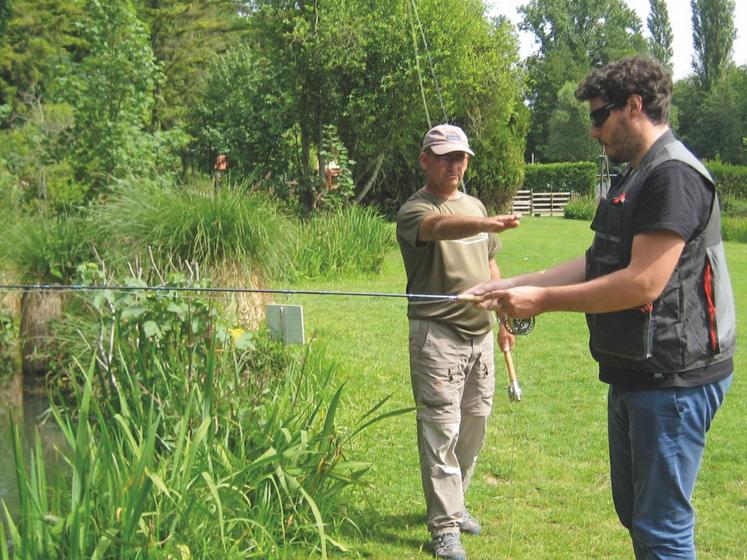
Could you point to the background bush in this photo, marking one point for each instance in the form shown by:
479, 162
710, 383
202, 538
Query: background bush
730, 180
579, 177
580, 208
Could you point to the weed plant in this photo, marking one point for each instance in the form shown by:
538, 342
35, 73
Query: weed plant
185, 443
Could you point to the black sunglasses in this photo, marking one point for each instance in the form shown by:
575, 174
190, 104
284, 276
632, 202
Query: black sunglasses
599, 116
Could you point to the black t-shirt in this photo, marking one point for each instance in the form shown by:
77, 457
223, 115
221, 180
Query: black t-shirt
675, 198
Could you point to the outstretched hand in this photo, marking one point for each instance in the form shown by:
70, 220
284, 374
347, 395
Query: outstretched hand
497, 224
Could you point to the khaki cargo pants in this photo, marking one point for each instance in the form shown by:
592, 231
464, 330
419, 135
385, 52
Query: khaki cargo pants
453, 381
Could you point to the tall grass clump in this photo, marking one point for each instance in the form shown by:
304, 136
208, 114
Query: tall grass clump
184, 442
580, 208
354, 239
38, 250
237, 226
734, 228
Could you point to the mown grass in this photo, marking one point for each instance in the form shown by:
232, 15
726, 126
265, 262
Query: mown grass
542, 485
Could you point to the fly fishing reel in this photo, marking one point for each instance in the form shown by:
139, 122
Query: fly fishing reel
519, 327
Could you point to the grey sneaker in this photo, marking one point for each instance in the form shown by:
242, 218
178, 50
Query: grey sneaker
448, 545
469, 524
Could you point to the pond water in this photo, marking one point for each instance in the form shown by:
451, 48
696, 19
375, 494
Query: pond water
27, 404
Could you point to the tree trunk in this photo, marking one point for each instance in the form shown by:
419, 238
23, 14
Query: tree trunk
370, 183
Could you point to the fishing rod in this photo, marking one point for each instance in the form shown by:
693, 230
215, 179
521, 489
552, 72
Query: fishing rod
450, 298
515, 326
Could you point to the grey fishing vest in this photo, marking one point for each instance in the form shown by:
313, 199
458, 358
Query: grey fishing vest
692, 323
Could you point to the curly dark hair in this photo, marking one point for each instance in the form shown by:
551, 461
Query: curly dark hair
618, 80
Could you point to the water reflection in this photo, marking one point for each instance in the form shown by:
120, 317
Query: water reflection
25, 402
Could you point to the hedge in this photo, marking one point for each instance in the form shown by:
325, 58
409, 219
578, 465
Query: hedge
731, 180
578, 177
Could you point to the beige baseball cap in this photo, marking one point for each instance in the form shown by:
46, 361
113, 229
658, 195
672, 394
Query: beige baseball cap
445, 138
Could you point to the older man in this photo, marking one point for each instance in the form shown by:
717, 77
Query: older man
448, 244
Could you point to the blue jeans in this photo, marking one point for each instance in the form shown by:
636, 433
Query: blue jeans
656, 440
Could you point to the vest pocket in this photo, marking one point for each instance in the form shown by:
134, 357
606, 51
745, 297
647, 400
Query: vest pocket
625, 334
606, 248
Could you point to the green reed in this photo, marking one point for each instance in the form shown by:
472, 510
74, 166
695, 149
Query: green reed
191, 446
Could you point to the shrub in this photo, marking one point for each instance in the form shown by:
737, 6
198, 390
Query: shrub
733, 206
731, 180
580, 208
579, 177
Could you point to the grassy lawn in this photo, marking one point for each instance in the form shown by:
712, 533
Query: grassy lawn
541, 489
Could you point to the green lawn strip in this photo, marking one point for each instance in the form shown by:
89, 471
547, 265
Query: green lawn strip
542, 484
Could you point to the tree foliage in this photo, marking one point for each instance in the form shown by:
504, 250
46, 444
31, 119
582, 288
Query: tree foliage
359, 67
573, 37
186, 36
569, 138
245, 113
93, 91
714, 123
660, 28
38, 42
112, 94
713, 38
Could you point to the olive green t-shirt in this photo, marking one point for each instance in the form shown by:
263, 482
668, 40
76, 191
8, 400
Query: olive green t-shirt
448, 266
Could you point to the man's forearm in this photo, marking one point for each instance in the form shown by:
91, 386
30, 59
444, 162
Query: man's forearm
444, 227
456, 227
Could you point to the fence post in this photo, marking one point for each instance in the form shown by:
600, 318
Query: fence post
531, 202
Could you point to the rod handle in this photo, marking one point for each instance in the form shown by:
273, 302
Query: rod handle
470, 298
510, 366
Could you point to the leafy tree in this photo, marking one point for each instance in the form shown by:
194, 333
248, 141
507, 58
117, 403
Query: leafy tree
32, 152
573, 37
660, 42
4, 15
113, 95
39, 39
569, 138
186, 36
713, 38
714, 125
352, 65
245, 113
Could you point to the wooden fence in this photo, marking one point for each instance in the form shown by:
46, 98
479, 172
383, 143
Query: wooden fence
533, 203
